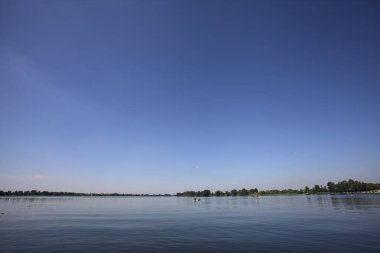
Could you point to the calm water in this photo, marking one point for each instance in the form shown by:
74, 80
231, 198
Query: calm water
349, 223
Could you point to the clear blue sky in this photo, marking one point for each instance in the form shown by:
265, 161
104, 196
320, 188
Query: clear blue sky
168, 96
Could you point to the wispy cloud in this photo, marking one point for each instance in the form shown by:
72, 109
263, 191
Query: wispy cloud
27, 73
32, 177
41, 177
26, 182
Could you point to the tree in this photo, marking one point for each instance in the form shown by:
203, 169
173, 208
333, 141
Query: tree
218, 193
316, 189
253, 191
243, 192
206, 193
331, 186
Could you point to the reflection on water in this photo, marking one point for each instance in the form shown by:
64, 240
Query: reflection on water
352, 202
313, 223
347, 202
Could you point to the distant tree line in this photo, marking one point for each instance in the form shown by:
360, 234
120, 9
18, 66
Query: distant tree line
47, 193
345, 186
208, 193
278, 192
350, 186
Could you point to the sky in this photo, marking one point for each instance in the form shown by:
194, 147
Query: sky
168, 96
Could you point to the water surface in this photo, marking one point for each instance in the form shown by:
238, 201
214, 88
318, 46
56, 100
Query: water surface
337, 223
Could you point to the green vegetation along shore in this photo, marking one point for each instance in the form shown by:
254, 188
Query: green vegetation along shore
349, 186
47, 193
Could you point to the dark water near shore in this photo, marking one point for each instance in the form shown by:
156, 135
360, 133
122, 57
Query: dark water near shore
339, 223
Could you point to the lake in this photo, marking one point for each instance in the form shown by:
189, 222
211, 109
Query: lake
300, 223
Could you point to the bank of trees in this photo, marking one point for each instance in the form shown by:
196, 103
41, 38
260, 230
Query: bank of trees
40, 193
47, 193
351, 186
345, 186
285, 191
218, 193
